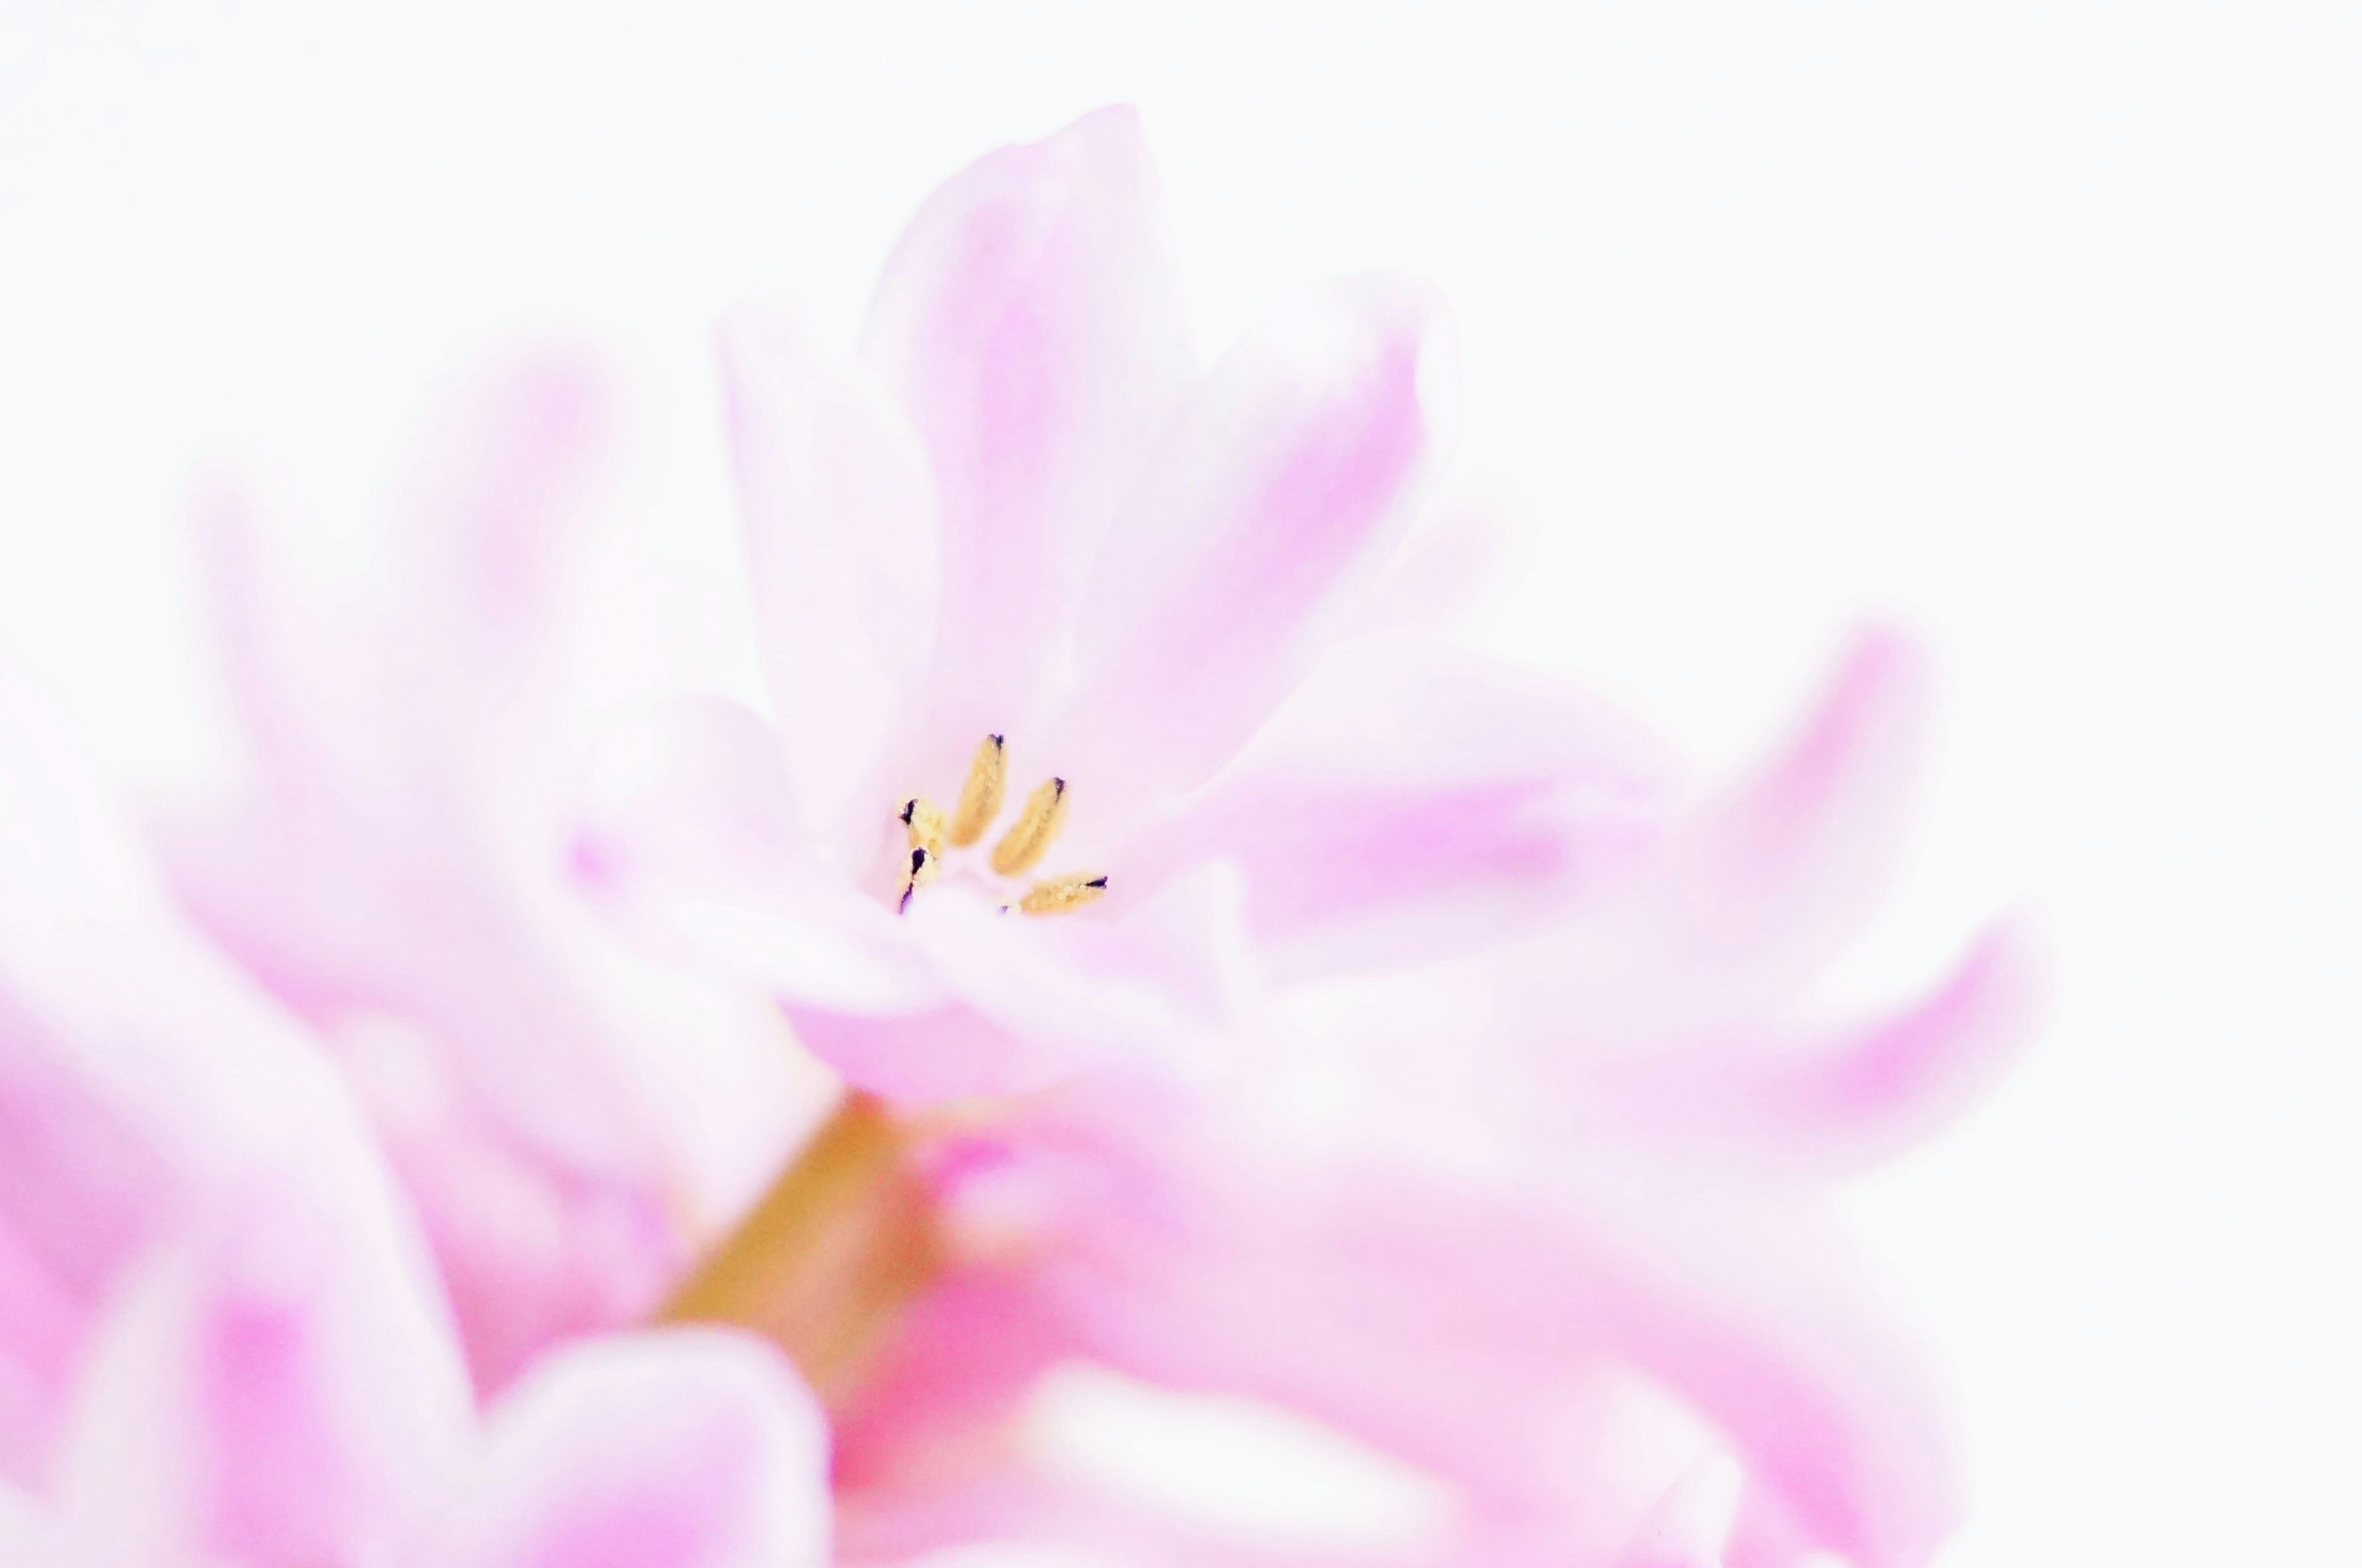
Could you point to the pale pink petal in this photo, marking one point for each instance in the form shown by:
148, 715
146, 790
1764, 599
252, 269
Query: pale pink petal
1159, 983
1040, 983
680, 1448
399, 866
1410, 801
500, 519
1454, 551
282, 1392
690, 841
1825, 1107
385, 859
123, 1103
1692, 1526
1780, 875
1452, 1329
1028, 326
530, 1251
840, 541
1755, 891
1285, 481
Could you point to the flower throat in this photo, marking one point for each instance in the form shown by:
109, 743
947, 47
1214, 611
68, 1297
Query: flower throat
1019, 849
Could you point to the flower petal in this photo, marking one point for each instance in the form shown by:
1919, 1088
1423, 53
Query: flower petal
1778, 877
1691, 1527
841, 540
122, 1105
1028, 324
689, 1448
283, 1391
689, 840
398, 869
1825, 1108
1410, 801
1449, 1325
1287, 480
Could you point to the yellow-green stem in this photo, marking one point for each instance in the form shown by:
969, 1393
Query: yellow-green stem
826, 1259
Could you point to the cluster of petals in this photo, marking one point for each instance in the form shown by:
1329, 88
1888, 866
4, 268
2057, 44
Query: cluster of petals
1429, 1058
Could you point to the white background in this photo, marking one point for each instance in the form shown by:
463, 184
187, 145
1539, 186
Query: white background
2032, 324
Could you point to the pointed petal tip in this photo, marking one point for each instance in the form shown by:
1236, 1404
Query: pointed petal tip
1690, 1526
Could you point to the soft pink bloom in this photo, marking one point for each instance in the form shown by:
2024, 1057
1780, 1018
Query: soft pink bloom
1543, 1221
1439, 1066
223, 1342
1022, 511
571, 1118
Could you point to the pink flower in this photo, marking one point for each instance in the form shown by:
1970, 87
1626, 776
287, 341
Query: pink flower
222, 1339
1248, 999
1566, 1247
571, 1118
1032, 588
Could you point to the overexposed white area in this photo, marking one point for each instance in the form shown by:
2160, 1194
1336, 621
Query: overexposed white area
2031, 323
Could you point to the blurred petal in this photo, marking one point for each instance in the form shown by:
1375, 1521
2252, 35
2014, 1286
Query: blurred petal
139, 1075
841, 539
1286, 479
399, 867
682, 1448
1448, 1326
690, 842
1028, 324
1830, 1106
282, 1392
1777, 877
1452, 552
500, 518
1692, 1526
1411, 802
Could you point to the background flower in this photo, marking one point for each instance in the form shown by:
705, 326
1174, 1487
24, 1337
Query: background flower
2028, 325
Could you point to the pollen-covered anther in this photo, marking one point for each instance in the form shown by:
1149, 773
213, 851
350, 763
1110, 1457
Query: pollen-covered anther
1024, 844
1056, 895
979, 798
924, 866
923, 821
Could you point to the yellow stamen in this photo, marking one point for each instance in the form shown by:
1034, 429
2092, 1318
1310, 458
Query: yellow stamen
925, 824
1056, 895
1037, 824
979, 799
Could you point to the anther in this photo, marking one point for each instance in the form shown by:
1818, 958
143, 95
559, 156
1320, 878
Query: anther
1056, 895
979, 799
1037, 824
922, 869
925, 824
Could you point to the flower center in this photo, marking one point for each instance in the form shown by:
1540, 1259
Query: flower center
932, 836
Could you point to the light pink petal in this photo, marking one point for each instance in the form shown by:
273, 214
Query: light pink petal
1825, 1107
1028, 326
386, 858
1754, 892
690, 841
1283, 482
1454, 551
282, 1392
1159, 984
500, 518
122, 1105
1780, 875
1410, 801
400, 869
680, 1448
840, 537
1692, 1526
1454, 1329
